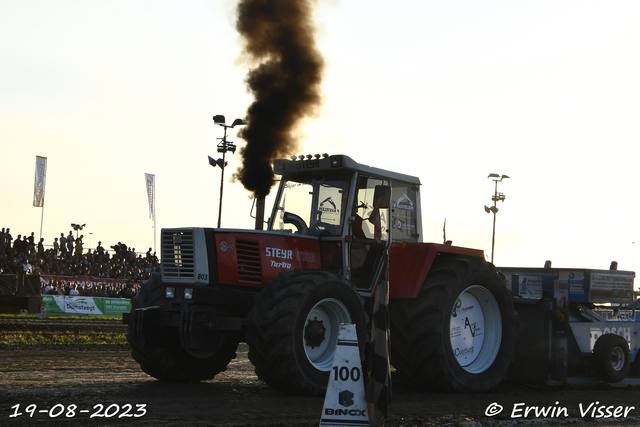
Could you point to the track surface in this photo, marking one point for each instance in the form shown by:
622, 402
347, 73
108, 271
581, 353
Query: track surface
54, 377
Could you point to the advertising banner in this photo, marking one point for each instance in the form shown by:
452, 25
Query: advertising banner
529, 287
617, 315
611, 286
115, 306
81, 305
151, 193
86, 305
87, 282
52, 303
41, 175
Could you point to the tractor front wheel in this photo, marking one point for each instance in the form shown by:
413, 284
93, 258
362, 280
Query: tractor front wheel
172, 362
293, 329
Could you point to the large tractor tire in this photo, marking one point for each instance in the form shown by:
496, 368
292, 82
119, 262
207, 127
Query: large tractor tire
459, 334
173, 362
293, 329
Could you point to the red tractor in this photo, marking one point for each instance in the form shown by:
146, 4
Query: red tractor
285, 290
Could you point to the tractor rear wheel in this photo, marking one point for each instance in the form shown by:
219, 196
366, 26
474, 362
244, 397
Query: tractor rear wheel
293, 329
172, 362
459, 333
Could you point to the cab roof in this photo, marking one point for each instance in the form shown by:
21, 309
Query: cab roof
335, 163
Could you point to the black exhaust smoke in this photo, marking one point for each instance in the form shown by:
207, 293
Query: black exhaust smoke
285, 81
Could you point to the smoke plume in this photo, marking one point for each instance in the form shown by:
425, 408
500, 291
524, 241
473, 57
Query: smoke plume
278, 38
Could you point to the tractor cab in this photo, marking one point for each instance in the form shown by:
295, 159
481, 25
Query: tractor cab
355, 210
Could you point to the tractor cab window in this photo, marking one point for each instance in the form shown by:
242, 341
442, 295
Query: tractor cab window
370, 231
312, 205
370, 221
404, 212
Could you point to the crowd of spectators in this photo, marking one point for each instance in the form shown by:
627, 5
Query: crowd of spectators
67, 257
82, 288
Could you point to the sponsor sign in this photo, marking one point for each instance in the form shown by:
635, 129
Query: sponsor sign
51, 302
80, 305
610, 287
576, 285
587, 334
529, 287
86, 305
466, 329
619, 316
114, 306
561, 293
404, 203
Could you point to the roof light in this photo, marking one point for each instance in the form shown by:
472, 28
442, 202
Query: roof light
325, 155
301, 157
293, 157
309, 156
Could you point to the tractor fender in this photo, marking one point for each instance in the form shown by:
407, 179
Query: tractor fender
410, 262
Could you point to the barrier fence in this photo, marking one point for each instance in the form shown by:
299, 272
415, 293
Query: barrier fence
86, 281
86, 305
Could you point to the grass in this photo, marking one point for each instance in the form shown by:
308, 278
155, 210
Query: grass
69, 338
73, 337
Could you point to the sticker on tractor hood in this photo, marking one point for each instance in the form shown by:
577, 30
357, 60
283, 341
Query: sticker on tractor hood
224, 246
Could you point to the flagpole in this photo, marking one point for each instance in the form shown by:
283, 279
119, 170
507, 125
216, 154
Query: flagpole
44, 185
42, 215
155, 212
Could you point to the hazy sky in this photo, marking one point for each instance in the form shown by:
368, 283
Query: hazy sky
547, 92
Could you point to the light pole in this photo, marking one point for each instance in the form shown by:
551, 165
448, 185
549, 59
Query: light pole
77, 227
223, 147
497, 197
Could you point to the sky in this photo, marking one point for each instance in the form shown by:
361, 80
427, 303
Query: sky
546, 92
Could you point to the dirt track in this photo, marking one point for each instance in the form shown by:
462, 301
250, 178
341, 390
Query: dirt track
54, 377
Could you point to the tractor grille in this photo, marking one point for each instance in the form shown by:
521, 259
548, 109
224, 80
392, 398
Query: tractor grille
178, 254
248, 261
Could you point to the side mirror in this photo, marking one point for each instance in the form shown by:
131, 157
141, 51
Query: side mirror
383, 193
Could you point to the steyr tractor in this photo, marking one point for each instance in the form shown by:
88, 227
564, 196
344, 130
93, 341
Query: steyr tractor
286, 290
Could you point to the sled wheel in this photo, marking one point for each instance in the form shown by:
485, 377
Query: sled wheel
611, 358
173, 362
459, 333
293, 329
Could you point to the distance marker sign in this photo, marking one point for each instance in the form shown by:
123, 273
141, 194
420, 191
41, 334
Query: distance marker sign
344, 403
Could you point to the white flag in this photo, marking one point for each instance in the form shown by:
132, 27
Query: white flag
151, 193
41, 177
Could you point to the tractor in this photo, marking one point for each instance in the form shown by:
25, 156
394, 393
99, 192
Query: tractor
335, 227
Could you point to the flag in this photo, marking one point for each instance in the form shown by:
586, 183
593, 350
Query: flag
378, 392
41, 177
151, 194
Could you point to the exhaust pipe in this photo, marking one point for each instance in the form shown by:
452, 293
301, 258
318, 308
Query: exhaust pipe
259, 212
